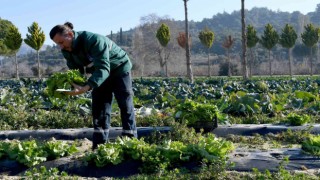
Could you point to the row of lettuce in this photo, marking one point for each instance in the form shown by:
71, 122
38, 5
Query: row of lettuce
152, 157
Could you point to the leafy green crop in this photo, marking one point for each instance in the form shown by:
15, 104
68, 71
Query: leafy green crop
44, 173
160, 157
56, 149
192, 112
312, 145
298, 120
31, 153
63, 80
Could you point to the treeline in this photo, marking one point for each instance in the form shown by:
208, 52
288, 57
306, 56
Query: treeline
225, 24
145, 50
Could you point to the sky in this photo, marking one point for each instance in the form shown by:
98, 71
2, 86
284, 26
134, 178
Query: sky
104, 16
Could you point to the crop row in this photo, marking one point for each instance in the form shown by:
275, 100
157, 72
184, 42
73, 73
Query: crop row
25, 104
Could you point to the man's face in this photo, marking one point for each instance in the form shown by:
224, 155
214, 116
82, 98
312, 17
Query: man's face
64, 41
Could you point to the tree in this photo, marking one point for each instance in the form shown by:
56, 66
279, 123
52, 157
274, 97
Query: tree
227, 44
35, 40
3, 48
206, 37
138, 52
182, 40
145, 45
4, 29
188, 59
310, 37
315, 16
13, 41
121, 37
163, 36
287, 40
244, 43
268, 40
252, 40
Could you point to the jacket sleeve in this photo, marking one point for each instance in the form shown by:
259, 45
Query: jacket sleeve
98, 49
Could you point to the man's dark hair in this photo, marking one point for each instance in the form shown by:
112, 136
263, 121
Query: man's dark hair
61, 29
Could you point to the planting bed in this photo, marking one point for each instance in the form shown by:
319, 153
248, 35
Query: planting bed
244, 158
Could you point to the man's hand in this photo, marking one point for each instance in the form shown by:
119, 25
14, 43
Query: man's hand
77, 89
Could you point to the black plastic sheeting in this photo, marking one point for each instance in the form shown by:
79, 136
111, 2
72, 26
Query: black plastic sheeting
263, 129
220, 131
72, 134
271, 159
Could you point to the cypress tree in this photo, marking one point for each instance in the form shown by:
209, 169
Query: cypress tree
268, 40
35, 39
287, 40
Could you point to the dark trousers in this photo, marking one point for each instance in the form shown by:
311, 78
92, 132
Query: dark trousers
102, 97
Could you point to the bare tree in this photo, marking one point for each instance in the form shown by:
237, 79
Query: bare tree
138, 53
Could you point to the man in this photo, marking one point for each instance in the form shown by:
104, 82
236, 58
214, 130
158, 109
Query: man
110, 67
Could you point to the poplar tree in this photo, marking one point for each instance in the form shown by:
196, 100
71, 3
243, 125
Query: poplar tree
121, 37
206, 37
310, 37
268, 40
35, 40
287, 40
163, 36
13, 41
252, 40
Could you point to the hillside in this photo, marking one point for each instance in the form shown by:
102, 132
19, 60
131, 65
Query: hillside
143, 47
25, 49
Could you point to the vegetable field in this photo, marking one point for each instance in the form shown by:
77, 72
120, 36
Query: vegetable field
192, 148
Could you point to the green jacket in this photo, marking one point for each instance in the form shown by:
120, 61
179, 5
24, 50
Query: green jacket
96, 54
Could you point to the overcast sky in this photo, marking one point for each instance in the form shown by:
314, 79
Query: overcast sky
104, 16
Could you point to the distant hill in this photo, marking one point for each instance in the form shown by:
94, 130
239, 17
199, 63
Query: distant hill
225, 24
25, 49
141, 44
